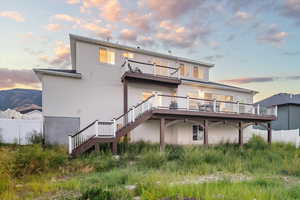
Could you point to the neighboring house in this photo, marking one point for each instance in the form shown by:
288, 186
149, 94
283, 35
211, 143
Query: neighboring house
114, 90
288, 110
34, 114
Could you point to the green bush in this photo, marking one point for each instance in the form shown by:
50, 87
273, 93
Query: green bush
34, 159
257, 143
175, 152
35, 138
152, 159
98, 193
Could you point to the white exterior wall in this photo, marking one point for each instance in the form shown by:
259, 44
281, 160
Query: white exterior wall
99, 95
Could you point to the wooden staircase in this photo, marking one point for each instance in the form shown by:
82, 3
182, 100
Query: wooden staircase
110, 132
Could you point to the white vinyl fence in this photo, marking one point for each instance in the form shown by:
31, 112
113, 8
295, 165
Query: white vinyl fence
285, 136
19, 130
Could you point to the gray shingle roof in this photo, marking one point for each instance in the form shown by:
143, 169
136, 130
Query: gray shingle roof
280, 99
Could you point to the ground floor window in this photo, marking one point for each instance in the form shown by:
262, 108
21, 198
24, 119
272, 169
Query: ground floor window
198, 132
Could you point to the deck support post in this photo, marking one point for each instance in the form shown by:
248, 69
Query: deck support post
205, 132
125, 105
269, 133
162, 133
114, 147
97, 148
241, 141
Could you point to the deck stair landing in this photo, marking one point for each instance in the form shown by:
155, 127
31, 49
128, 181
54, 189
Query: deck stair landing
163, 105
111, 131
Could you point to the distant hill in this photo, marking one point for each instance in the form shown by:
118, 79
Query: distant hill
19, 97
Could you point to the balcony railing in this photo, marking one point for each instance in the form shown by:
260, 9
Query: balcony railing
208, 105
150, 68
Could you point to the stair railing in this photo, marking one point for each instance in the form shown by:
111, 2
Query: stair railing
82, 136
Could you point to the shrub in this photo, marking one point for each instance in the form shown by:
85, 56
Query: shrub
257, 143
35, 138
175, 152
152, 159
34, 160
98, 193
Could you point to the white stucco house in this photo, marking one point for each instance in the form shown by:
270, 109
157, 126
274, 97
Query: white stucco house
114, 91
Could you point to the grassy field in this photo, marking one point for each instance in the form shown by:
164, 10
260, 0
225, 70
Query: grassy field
226, 172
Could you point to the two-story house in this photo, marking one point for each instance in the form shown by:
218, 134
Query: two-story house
114, 90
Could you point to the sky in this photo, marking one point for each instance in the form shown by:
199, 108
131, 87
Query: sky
253, 44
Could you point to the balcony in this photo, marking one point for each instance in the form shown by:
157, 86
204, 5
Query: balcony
150, 72
176, 106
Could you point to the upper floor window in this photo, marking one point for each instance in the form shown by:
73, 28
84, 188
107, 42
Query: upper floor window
106, 56
128, 55
198, 72
184, 70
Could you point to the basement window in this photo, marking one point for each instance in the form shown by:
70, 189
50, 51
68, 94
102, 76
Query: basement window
106, 56
198, 133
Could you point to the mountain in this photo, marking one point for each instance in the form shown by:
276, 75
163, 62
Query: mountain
19, 97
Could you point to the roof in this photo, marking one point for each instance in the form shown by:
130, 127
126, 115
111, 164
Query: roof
136, 50
28, 108
59, 72
281, 99
221, 86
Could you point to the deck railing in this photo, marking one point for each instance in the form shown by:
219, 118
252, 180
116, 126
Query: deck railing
208, 105
150, 68
160, 101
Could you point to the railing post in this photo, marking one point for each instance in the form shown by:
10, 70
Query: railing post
155, 99
276, 111
238, 107
187, 103
114, 127
154, 68
148, 102
258, 109
215, 105
133, 114
96, 128
70, 144
142, 107
253, 109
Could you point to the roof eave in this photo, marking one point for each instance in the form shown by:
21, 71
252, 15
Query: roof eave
142, 51
57, 73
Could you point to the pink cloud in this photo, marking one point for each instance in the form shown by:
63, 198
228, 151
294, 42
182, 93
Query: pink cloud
66, 18
170, 9
112, 10
180, 36
53, 27
10, 78
273, 36
73, 1
128, 35
142, 22
98, 30
61, 56
13, 15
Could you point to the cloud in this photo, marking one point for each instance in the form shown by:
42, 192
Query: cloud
175, 35
26, 36
231, 37
98, 30
67, 18
242, 16
128, 35
146, 41
142, 22
213, 58
61, 56
246, 80
13, 15
53, 27
171, 9
11, 78
291, 9
111, 10
33, 52
272, 35
73, 1
291, 53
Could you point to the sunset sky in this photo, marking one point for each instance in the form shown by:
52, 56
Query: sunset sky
254, 44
